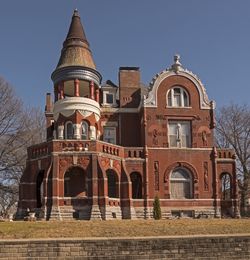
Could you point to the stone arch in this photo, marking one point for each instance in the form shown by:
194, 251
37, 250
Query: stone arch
75, 182
190, 169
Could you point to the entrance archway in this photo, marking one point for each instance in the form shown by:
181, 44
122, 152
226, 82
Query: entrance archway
39, 189
136, 180
75, 182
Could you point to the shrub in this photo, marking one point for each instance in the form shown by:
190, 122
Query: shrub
157, 208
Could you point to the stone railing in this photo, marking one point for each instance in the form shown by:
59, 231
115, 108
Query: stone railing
225, 154
133, 152
45, 149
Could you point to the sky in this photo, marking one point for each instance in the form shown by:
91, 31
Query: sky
211, 36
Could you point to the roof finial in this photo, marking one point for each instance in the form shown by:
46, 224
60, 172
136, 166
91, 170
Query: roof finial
75, 12
177, 64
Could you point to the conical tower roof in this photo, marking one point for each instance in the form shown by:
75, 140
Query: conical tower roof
76, 51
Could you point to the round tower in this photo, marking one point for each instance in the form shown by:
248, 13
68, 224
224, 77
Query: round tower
76, 86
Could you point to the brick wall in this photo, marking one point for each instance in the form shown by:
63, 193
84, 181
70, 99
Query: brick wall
207, 247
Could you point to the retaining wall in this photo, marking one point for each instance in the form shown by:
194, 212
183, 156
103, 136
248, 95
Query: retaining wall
185, 247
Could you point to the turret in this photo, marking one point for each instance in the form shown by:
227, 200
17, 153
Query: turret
76, 87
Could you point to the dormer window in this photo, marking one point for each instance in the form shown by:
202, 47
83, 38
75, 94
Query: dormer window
110, 98
177, 97
109, 91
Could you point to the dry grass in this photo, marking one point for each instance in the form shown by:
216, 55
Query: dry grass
125, 228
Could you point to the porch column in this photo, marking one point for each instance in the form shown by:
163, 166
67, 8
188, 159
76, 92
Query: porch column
92, 90
61, 90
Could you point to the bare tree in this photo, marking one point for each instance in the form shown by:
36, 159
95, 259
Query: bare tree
19, 128
233, 131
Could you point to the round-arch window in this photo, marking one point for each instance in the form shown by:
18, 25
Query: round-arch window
181, 184
177, 97
84, 130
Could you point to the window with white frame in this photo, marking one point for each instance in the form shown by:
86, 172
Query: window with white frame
177, 97
69, 132
179, 134
109, 97
84, 130
109, 134
181, 184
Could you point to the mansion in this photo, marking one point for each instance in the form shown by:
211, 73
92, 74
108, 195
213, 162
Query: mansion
112, 148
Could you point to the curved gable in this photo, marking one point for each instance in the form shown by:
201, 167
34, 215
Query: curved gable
176, 69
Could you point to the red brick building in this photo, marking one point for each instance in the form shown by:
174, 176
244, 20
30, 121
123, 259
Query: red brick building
111, 149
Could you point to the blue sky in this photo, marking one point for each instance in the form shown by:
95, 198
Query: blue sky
212, 37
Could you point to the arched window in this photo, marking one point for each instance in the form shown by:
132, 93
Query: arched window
177, 97
181, 184
136, 185
84, 130
75, 182
112, 184
226, 192
69, 132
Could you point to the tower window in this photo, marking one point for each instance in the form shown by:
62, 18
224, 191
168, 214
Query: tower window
69, 133
84, 130
177, 97
179, 134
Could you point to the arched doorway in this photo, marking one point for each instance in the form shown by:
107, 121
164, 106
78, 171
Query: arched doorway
136, 180
75, 182
226, 194
113, 184
39, 189
181, 184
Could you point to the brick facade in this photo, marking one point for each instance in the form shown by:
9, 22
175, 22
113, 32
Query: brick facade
111, 149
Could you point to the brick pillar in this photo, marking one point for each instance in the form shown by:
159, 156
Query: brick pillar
95, 211
55, 210
235, 193
76, 85
215, 184
92, 90
97, 95
146, 194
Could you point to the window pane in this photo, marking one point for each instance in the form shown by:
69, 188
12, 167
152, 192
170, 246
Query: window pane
109, 135
109, 98
84, 130
69, 131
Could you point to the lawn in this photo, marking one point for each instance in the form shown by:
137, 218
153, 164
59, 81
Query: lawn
124, 228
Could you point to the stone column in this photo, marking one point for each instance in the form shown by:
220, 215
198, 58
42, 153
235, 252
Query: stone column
92, 132
92, 90
60, 131
77, 133
76, 85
